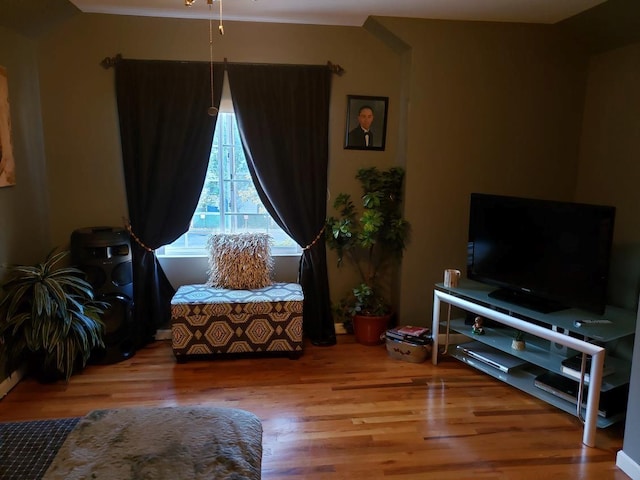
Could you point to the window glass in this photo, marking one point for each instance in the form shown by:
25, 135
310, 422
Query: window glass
229, 202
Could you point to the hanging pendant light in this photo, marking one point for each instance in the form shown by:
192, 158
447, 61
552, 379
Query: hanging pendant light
212, 110
221, 27
188, 3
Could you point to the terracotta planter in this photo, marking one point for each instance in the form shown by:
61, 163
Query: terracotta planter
369, 329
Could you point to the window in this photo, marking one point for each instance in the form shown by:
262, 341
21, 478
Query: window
229, 202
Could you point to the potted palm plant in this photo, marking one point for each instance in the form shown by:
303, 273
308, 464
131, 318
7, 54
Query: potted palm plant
49, 319
372, 240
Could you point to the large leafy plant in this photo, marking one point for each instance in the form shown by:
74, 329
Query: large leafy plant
48, 315
371, 237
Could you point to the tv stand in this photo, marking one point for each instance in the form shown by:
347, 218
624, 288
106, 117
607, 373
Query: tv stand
526, 300
550, 339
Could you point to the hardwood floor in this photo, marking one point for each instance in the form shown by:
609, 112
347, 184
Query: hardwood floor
349, 412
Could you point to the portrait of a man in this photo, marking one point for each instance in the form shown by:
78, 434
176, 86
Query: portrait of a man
366, 122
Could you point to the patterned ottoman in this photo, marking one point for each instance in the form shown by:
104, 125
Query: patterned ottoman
211, 321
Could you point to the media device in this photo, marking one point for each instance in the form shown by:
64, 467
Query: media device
491, 356
104, 254
611, 402
542, 254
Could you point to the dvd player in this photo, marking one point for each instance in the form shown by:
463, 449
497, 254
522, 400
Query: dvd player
491, 356
611, 402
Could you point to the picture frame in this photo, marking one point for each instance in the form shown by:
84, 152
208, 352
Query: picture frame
7, 162
366, 112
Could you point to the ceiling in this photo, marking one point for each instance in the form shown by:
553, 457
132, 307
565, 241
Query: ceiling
347, 12
600, 25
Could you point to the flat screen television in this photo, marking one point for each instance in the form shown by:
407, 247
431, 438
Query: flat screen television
545, 255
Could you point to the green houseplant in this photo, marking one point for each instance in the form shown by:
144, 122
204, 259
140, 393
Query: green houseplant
49, 319
518, 342
372, 239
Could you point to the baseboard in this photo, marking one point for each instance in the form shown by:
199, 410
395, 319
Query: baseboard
339, 327
10, 382
625, 463
163, 334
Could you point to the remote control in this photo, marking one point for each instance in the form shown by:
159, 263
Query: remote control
579, 323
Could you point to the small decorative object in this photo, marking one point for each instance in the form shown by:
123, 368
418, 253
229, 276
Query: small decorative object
240, 261
477, 328
451, 278
518, 341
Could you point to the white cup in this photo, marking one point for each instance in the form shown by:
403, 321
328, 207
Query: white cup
451, 277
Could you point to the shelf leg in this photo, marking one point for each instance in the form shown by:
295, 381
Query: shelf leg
593, 398
435, 328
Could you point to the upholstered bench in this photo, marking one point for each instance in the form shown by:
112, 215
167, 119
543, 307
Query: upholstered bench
209, 321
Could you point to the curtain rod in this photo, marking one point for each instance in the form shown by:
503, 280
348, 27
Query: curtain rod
109, 62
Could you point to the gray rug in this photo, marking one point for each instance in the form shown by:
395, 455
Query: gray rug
162, 443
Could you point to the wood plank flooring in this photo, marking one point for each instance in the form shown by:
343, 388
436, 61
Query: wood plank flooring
349, 412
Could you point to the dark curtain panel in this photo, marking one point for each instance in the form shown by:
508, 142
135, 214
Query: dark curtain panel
166, 136
283, 118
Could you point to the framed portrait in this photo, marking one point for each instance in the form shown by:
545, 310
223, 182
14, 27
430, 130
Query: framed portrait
366, 125
7, 166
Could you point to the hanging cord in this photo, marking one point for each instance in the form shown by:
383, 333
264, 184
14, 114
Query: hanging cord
221, 27
321, 232
127, 225
308, 247
213, 110
304, 249
211, 53
315, 240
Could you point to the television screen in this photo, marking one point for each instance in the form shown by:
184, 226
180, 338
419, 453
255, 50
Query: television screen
545, 255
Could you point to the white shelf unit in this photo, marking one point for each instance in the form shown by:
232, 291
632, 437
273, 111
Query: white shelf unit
543, 330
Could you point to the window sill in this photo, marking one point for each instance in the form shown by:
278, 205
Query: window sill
198, 255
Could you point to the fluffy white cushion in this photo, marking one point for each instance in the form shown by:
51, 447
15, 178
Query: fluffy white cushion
240, 261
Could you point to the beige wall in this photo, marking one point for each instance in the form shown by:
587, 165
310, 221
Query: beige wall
24, 227
80, 116
610, 146
609, 166
492, 108
473, 107
609, 174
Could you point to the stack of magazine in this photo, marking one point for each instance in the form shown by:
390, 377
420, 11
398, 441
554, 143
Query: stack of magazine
410, 334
